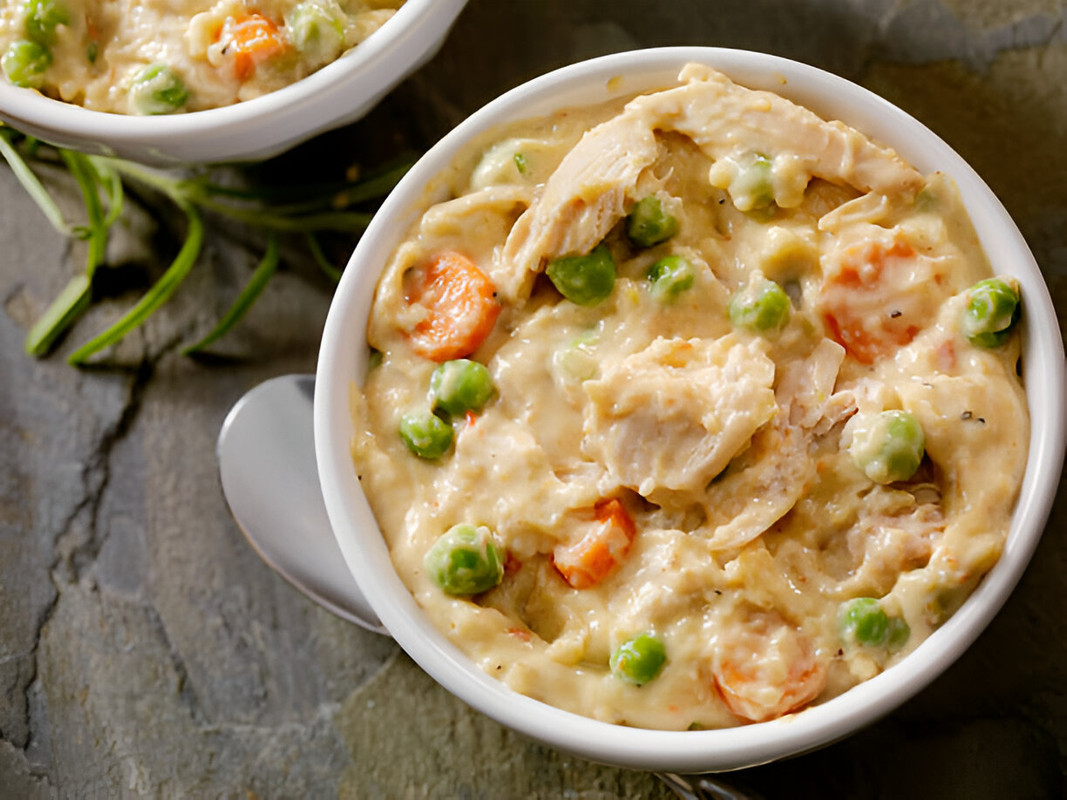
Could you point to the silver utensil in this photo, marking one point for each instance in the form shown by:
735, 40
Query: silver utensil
266, 455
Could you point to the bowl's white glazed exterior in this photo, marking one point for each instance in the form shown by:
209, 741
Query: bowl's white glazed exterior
343, 357
339, 93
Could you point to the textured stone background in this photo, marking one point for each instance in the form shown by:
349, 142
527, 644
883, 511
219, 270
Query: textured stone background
145, 651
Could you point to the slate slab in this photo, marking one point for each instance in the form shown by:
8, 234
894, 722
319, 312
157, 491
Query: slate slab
145, 651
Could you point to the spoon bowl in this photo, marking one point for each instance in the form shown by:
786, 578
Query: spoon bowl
266, 455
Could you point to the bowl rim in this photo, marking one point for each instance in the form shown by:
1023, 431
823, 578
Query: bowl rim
399, 35
342, 358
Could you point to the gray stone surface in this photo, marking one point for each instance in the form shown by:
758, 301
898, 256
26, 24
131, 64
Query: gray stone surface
145, 651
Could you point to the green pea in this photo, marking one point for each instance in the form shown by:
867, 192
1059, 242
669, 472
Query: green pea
753, 186
459, 386
466, 560
648, 224
25, 62
669, 277
888, 446
863, 620
42, 17
585, 280
761, 306
314, 29
426, 434
639, 659
991, 313
157, 89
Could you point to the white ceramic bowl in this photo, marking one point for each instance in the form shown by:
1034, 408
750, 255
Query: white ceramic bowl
339, 93
342, 362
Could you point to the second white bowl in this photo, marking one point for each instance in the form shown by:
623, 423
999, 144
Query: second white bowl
339, 93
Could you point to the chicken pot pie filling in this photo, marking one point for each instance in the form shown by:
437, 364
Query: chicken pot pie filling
691, 411
162, 57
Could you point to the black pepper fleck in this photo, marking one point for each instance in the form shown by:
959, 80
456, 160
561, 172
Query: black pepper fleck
966, 415
894, 314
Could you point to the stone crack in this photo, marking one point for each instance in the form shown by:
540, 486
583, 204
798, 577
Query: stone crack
78, 540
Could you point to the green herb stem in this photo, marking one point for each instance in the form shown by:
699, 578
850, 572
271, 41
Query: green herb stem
345, 221
157, 295
313, 197
86, 176
33, 186
245, 299
76, 296
332, 272
64, 311
111, 182
306, 210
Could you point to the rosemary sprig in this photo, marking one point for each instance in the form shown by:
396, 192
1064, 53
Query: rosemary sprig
305, 210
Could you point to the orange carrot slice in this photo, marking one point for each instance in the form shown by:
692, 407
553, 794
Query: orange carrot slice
251, 40
864, 309
460, 305
592, 558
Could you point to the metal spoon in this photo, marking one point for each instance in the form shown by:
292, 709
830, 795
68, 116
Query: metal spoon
266, 454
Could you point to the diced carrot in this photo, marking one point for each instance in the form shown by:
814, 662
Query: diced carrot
460, 305
863, 307
589, 560
511, 564
767, 670
251, 40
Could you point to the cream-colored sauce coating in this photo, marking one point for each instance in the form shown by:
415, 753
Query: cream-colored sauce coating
98, 53
728, 449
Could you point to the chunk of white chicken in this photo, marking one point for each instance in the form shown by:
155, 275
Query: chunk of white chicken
770, 477
672, 416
